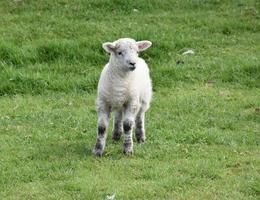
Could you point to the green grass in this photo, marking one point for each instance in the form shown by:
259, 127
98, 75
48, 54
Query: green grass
203, 128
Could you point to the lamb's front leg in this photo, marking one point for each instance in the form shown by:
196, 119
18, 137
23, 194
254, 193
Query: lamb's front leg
128, 124
103, 119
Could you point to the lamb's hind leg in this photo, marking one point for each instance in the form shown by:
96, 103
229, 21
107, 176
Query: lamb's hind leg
118, 125
103, 119
139, 130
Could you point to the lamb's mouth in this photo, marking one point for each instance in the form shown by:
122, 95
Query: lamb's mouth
132, 68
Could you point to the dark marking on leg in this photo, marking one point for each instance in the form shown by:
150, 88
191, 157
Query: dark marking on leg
116, 135
117, 131
127, 125
101, 130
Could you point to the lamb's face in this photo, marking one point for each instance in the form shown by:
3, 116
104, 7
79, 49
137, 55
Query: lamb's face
124, 52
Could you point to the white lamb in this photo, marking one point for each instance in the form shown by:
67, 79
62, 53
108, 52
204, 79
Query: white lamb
124, 88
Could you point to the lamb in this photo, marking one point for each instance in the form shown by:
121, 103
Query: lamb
124, 88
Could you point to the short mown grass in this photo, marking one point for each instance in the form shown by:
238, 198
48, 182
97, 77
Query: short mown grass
203, 128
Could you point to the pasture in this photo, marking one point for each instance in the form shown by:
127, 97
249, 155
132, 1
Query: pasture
203, 127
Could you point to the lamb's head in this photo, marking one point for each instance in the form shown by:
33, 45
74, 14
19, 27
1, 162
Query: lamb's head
124, 52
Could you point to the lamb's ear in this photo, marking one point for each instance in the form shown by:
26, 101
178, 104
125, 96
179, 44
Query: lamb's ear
108, 46
143, 45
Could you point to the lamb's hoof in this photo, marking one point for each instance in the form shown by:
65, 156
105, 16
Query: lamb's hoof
116, 137
98, 149
140, 140
97, 152
128, 149
128, 152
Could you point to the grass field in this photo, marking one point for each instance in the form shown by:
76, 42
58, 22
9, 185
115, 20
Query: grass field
203, 128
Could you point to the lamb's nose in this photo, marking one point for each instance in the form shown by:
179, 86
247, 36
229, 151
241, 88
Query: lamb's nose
132, 63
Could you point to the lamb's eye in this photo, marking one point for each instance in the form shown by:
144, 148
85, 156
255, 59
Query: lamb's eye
120, 53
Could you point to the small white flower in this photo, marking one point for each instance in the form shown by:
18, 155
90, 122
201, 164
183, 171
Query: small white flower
111, 197
189, 52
